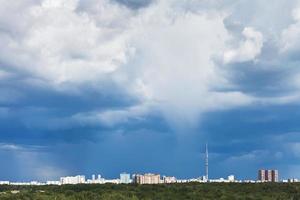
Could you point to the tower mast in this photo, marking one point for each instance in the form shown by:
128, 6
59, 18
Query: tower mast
206, 162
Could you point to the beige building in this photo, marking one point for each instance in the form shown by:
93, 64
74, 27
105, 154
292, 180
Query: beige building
147, 178
265, 175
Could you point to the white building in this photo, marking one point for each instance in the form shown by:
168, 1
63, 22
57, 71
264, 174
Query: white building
191, 180
112, 181
231, 178
27, 183
182, 180
4, 182
203, 179
220, 180
99, 180
72, 180
53, 183
125, 178
169, 179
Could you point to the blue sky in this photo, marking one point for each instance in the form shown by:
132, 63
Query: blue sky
106, 86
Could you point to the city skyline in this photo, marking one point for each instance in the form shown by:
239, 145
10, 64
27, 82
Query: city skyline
264, 176
142, 85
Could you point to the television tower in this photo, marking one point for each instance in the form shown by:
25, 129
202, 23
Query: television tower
206, 162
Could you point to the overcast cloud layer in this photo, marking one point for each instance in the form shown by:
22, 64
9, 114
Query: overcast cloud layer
99, 83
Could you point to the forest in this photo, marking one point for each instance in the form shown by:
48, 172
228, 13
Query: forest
193, 191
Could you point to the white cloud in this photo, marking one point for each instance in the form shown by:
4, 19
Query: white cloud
162, 54
248, 49
166, 54
20, 148
290, 36
61, 45
111, 118
10, 147
289, 47
69, 4
174, 64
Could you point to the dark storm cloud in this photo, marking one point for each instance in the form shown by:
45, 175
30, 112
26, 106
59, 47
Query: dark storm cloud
42, 114
258, 80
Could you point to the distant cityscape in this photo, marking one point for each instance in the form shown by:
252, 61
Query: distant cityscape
264, 175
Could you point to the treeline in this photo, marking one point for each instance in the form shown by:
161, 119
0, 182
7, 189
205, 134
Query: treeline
193, 191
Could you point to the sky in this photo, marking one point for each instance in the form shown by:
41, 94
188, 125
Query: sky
107, 86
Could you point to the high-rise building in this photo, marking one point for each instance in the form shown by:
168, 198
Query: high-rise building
266, 175
146, 178
125, 178
275, 176
231, 178
261, 175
